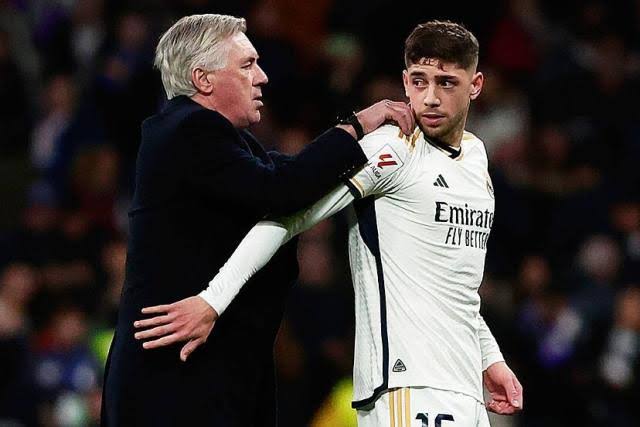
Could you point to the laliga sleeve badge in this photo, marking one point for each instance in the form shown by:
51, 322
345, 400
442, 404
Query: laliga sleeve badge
383, 163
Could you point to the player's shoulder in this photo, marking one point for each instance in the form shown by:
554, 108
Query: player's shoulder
387, 152
472, 139
389, 137
473, 143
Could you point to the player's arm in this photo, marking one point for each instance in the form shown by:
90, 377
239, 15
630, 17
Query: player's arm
488, 345
503, 385
261, 244
263, 241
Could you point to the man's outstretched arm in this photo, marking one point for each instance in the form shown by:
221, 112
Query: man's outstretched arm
221, 169
192, 319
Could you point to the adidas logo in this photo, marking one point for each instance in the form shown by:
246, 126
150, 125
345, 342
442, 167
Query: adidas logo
399, 366
440, 182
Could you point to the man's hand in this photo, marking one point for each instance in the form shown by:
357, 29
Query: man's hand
384, 111
190, 319
504, 388
373, 117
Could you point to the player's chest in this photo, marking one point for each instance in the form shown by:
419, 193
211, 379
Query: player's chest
441, 179
440, 192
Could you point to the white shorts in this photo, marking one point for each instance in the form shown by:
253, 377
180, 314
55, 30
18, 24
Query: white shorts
424, 407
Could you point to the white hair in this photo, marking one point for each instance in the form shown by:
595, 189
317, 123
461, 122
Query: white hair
194, 41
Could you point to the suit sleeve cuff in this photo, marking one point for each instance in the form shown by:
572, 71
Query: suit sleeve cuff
350, 151
355, 188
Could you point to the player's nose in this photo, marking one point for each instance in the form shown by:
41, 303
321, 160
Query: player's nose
431, 99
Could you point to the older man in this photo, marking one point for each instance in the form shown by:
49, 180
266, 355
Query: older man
202, 181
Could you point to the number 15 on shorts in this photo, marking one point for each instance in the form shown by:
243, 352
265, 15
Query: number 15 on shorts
424, 417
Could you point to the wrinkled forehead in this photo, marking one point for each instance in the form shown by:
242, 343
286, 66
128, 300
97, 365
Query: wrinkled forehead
241, 46
243, 42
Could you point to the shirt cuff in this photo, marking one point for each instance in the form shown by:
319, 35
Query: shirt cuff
491, 358
216, 299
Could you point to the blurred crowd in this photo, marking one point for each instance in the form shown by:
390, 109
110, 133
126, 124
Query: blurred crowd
558, 116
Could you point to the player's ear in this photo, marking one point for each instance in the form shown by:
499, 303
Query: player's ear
476, 85
405, 81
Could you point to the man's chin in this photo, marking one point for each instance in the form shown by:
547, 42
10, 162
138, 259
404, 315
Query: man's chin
255, 118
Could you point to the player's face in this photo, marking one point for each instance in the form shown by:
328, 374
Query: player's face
440, 94
237, 90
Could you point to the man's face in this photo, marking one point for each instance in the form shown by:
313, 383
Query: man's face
440, 94
237, 89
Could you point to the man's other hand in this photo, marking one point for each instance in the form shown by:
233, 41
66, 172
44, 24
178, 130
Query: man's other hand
504, 388
190, 320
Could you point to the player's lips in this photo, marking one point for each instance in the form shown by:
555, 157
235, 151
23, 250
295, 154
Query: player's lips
432, 119
258, 99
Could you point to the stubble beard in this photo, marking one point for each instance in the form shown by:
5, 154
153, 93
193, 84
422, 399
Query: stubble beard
448, 131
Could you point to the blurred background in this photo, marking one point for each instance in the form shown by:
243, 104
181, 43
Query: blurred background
558, 115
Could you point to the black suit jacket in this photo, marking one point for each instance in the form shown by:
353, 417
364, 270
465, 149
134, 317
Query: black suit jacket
200, 186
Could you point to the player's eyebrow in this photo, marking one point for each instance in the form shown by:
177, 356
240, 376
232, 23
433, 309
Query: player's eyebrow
417, 73
438, 78
447, 77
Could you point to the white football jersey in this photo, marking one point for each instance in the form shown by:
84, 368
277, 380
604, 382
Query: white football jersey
417, 248
417, 245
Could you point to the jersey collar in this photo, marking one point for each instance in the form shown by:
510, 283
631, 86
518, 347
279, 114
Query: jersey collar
452, 152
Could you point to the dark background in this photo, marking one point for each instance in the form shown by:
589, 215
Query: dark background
558, 115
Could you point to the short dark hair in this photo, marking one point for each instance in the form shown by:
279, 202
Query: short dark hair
443, 40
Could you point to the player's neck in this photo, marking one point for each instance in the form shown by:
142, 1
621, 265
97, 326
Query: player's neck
454, 138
